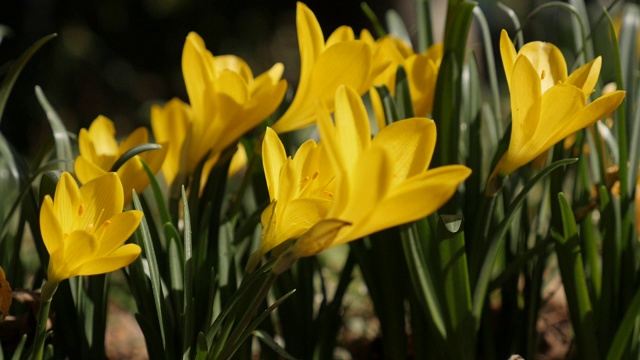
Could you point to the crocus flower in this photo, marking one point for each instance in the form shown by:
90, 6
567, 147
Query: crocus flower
300, 191
547, 105
389, 53
380, 182
84, 228
324, 67
99, 150
225, 100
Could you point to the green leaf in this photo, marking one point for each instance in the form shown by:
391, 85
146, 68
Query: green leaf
487, 45
388, 104
187, 335
404, 105
422, 277
201, 347
423, 23
457, 293
377, 27
143, 238
136, 150
575, 284
396, 26
488, 257
10, 79
163, 210
60, 135
268, 340
626, 328
17, 354
152, 338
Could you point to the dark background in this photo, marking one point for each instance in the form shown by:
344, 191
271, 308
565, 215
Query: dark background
117, 57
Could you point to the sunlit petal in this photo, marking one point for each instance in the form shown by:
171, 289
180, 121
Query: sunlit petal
120, 258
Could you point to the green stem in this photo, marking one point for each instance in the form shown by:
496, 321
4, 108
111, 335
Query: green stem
48, 289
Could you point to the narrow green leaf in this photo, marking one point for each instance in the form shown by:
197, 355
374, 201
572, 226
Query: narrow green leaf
481, 284
457, 293
17, 354
421, 276
404, 105
153, 340
487, 45
268, 340
516, 23
626, 328
368, 12
201, 347
136, 150
390, 111
423, 23
143, 238
396, 26
573, 279
10, 79
187, 332
60, 134
163, 210
254, 324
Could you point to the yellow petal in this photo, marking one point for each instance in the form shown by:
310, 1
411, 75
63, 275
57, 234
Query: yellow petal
548, 62
138, 137
133, 177
79, 248
508, 53
586, 76
362, 190
233, 86
422, 74
299, 216
318, 238
170, 125
102, 132
198, 72
310, 39
588, 115
102, 198
346, 63
410, 144
86, 170
239, 160
114, 232
352, 124
50, 228
273, 157
342, 33
235, 64
414, 199
120, 258
67, 203
525, 103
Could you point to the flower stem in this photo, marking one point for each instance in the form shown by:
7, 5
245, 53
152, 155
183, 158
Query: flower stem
48, 289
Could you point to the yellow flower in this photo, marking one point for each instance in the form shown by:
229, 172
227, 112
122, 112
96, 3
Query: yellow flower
300, 191
421, 69
547, 105
99, 150
5, 295
84, 228
380, 182
324, 67
225, 100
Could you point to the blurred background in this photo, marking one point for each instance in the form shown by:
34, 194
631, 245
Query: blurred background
117, 57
